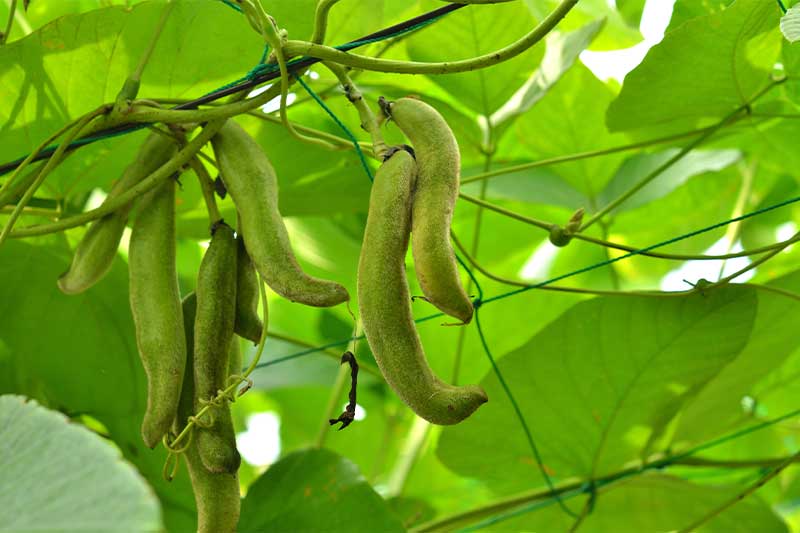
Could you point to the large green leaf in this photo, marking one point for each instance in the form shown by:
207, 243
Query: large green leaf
599, 384
474, 31
561, 53
315, 490
719, 405
739, 47
635, 169
569, 120
60, 476
78, 354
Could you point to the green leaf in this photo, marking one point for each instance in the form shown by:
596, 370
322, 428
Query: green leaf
60, 476
790, 24
598, 384
718, 406
315, 490
78, 354
617, 33
640, 166
739, 47
631, 10
474, 31
561, 53
684, 10
570, 120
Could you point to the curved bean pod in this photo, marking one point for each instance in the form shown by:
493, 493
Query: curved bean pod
156, 308
216, 495
213, 333
385, 304
435, 196
251, 182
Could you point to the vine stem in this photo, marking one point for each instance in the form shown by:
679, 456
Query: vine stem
326, 53
12, 9
730, 118
584, 155
761, 260
346, 144
369, 121
596, 292
207, 187
321, 20
162, 22
415, 441
181, 158
579, 236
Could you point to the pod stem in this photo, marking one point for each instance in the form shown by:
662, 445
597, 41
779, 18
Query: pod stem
207, 187
369, 122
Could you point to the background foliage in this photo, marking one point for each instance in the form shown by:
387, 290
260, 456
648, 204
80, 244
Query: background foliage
605, 382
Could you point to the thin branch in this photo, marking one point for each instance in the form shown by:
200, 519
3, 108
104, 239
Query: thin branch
369, 121
625, 248
326, 53
742, 495
576, 290
583, 155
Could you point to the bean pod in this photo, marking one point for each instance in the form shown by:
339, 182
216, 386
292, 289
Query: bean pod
213, 333
435, 196
156, 308
248, 324
384, 302
250, 180
216, 495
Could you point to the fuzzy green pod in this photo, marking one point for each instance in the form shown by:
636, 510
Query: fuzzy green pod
248, 324
95, 253
250, 180
156, 307
385, 304
213, 333
435, 196
216, 495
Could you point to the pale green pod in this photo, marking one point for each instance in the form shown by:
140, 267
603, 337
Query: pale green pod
156, 308
248, 324
435, 196
385, 304
250, 180
213, 333
97, 249
216, 495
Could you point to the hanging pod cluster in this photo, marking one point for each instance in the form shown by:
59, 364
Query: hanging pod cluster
413, 194
189, 347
